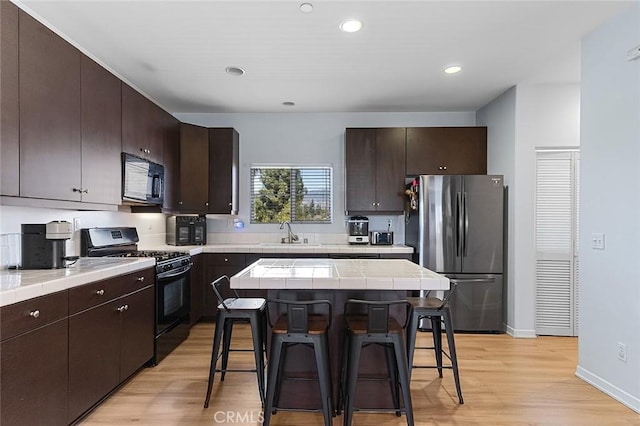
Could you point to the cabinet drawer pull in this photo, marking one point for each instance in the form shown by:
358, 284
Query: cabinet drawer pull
34, 314
140, 279
226, 260
100, 292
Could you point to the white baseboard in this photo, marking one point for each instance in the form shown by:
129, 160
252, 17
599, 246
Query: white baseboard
523, 334
611, 390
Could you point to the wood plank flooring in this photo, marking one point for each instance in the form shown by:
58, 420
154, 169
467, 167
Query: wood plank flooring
505, 381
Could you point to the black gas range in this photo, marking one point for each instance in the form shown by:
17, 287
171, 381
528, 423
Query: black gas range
172, 281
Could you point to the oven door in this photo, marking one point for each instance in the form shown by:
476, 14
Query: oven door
173, 295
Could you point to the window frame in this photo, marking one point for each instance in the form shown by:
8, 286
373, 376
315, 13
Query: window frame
328, 168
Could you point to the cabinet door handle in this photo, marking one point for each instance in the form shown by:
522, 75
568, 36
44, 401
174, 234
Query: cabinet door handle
206, 204
373, 204
34, 314
230, 204
100, 292
85, 191
126, 307
140, 279
226, 260
444, 168
180, 202
77, 189
123, 308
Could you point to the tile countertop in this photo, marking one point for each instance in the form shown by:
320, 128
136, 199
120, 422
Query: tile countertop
339, 274
285, 248
19, 285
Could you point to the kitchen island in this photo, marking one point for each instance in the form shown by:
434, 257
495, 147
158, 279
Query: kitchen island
336, 280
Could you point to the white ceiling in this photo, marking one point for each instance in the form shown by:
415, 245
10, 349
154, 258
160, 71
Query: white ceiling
176, 51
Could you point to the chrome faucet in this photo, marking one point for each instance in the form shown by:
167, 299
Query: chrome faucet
291, 237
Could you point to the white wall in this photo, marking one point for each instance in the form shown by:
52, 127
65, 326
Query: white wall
610, 203
499, 117
306, 139
150, 226
522, 119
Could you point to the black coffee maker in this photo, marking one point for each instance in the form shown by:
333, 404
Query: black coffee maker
43, 244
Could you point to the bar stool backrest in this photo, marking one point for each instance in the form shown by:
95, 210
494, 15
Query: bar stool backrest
377, 312
298, 313
216, 289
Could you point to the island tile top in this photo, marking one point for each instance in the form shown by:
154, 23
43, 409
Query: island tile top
345, 274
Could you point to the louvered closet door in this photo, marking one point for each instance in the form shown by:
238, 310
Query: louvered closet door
556, 244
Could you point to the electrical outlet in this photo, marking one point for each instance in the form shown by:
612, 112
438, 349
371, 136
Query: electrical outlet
622, 352
76, 224
597, 241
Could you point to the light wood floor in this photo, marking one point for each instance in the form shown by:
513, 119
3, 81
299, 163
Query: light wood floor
505, 381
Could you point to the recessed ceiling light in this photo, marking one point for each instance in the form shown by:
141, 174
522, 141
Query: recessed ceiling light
453, 69
351, 25
306, 8
234, 71
288, 103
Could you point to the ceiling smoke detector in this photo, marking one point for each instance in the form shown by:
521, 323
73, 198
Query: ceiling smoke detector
237, 71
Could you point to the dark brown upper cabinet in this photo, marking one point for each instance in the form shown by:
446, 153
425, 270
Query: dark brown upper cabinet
224, 156
194, 169
141, 135
209, 160
446, 151
375, 167
101, 134
9, 109
171, 159
50, 134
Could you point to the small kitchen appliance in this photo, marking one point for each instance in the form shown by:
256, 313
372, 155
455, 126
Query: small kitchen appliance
358, 230
172, 284
381, 238
43, 244
186, 230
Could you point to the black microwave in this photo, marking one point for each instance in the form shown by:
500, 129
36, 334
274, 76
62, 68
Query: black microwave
186, 230
142, 180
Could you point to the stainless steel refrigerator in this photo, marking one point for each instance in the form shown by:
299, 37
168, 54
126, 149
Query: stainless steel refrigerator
456, 227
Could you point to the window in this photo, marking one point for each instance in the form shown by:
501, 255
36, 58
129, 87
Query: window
292, 194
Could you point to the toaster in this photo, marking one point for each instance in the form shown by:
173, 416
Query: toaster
381, 238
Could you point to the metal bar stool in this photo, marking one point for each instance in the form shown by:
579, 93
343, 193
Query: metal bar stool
298, 326
437, 311
231, 311
367, 323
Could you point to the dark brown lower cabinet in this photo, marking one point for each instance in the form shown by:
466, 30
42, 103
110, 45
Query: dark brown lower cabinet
94, 356
137, 331
34, 377
196, 281
109, 339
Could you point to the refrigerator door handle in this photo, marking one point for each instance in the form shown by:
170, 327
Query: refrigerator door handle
459, 224
465, 238
472, 280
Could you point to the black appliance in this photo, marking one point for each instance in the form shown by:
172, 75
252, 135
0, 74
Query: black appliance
43, 245
358, 230
142, 180
172, 281
186, 230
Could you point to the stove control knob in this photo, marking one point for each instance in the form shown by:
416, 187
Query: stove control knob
167, 267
